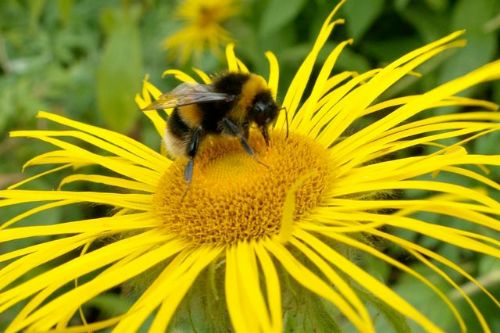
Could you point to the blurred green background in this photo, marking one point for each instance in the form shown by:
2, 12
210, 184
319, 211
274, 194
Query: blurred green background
86, 60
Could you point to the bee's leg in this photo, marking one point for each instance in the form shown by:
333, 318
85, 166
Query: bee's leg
191, 150
237, 132
265, 134
246, 130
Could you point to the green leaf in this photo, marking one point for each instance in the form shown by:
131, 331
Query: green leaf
36, 8
426, 300
393, 320
487, 307
377, 268
401, 4
496, 91
119, 76
473, 14
352, 61
278, 13
65, 7
387, 50
481, 45
304, 311
311, 314
360, 15
489, 265
488, 145
480, 49
111, 304
430, 25
437, 5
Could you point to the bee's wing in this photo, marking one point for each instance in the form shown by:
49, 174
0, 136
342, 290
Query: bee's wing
188, 93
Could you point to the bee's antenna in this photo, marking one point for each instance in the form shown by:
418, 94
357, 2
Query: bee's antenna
286, 118
249, 151
260, 162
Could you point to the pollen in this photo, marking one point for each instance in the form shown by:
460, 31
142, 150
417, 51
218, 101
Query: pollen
235, 197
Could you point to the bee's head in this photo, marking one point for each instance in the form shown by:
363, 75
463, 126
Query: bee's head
264, 109
263, 112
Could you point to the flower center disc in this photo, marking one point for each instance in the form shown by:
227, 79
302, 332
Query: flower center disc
233, 197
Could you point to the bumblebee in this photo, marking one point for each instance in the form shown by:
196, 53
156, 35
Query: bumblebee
228, 106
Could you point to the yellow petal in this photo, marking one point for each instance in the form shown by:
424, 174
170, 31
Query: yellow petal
132, 201
485, 73
129, 185
249, 285
239, 312
179, 75
274, 73
41, 174
448, 279
232, 63
203, 76
307, 109
371, 284
67, 303
103, 224
117, 139
272, 284
338, 282
314, 283
298, 84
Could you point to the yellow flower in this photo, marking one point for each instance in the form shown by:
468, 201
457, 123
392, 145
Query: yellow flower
202, 28
253, 236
